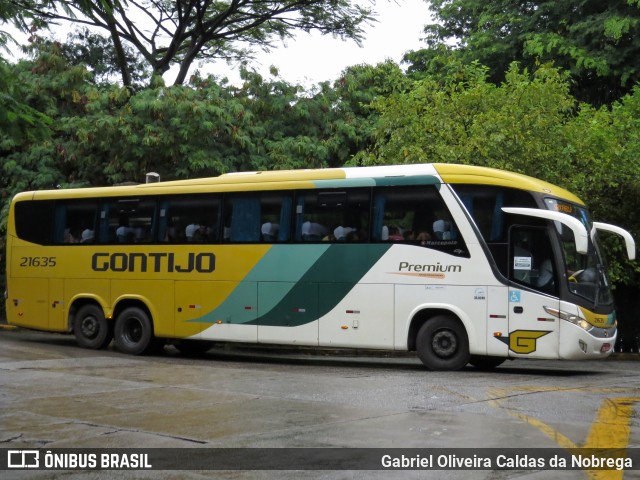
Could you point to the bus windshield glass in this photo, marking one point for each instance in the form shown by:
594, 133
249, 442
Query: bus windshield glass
585, 273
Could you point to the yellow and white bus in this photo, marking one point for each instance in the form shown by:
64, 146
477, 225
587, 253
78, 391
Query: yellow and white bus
460, 264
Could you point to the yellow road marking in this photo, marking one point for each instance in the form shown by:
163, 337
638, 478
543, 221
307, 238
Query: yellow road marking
611, 428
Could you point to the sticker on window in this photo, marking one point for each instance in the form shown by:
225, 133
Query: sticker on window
522, 263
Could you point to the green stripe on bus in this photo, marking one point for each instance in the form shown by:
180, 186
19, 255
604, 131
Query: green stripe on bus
379, 182
324, 285
295, 285
345, 183
284, 265
408, 180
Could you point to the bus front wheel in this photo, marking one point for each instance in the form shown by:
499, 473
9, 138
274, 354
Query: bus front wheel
91, 328
134, 331
442, 344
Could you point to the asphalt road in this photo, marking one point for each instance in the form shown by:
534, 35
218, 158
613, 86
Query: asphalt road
56, 395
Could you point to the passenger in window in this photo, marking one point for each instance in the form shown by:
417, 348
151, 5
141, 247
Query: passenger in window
329, 237
192, 231
139, 235
442, 228
395, 235
269, 231
200, 235
546, 276
355, 236
341, 233
87, 236
209, 234
69, 237
312, 231
124, 233
423, 238
409, 236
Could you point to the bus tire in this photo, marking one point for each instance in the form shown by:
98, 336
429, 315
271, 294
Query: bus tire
91, 328
482, 362
442, 344
134, 332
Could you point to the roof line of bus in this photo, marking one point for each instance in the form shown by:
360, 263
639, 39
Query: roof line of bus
284, 179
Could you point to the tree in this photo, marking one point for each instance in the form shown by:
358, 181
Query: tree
17, 16
105, 134
178, 32
465, 118
95, 51
19, 123
597, 42
356, 89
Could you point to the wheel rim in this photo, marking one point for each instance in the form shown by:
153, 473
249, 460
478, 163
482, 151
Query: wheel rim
90, 327
445, 343
133, 330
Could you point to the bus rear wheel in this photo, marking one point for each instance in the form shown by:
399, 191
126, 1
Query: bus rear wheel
442, 344
91, 328
134, 332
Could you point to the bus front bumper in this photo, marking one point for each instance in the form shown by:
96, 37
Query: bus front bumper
577, 343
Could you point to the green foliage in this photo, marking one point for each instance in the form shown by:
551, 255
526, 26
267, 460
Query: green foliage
598, 42
604, 146
467, 119
19, 123
110, 134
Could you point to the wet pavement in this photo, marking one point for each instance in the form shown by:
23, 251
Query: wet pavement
56, 395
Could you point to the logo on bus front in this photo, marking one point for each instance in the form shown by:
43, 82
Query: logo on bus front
523, 341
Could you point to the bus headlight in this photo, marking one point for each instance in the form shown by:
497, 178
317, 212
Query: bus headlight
576, 320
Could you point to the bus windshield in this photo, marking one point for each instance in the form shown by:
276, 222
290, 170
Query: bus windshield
586, 274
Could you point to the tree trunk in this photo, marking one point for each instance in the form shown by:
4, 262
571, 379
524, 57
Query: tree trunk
122, 59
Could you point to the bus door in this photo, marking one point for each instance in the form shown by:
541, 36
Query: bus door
533, 286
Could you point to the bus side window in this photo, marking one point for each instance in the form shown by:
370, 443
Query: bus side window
33, 220
128, 220
75, 222
258, 217
484, 203
275, 216
189, 219
333, 215
416, 215
245, 218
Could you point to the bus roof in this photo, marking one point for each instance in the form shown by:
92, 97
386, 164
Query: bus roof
469, 174
319, 178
